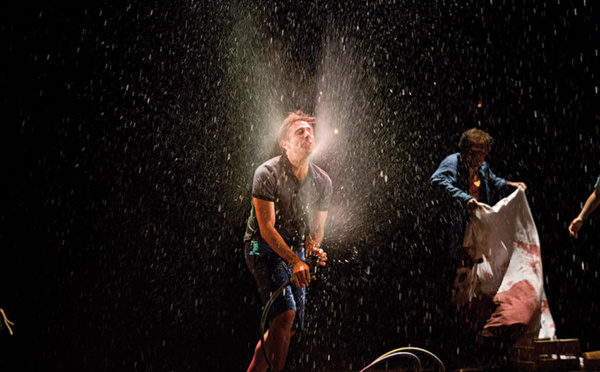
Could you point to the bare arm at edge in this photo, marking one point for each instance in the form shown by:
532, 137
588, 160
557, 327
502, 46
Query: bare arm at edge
590, 205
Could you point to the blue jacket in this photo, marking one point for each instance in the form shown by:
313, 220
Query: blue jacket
453, 176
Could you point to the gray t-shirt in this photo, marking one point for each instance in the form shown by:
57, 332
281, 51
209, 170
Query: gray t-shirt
295, 203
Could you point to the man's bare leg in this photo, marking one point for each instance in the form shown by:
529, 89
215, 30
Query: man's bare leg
277, 342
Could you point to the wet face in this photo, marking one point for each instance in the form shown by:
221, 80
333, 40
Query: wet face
301, 140
475, 152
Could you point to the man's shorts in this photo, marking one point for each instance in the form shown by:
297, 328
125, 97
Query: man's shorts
271, 272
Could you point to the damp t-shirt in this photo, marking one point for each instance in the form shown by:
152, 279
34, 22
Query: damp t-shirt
295, 203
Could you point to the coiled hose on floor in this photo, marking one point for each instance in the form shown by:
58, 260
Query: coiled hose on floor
407, 352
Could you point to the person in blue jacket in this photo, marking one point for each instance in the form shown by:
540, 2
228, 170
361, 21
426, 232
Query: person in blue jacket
464, 180
466, 177
467, 180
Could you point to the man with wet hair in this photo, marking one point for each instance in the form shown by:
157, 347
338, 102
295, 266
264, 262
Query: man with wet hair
590, 205
290, 199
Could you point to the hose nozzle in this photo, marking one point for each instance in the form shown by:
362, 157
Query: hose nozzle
314, 264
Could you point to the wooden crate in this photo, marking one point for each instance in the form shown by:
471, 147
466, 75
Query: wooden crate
546, 355
591, 361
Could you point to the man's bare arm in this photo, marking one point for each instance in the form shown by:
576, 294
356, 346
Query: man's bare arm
314, 240
590, 205
265, 214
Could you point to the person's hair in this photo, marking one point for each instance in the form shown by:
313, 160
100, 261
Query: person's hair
476, 134
293, 117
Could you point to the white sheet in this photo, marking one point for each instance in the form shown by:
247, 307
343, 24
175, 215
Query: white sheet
504, 239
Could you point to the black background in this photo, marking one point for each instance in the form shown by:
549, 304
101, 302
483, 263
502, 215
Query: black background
132, 129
